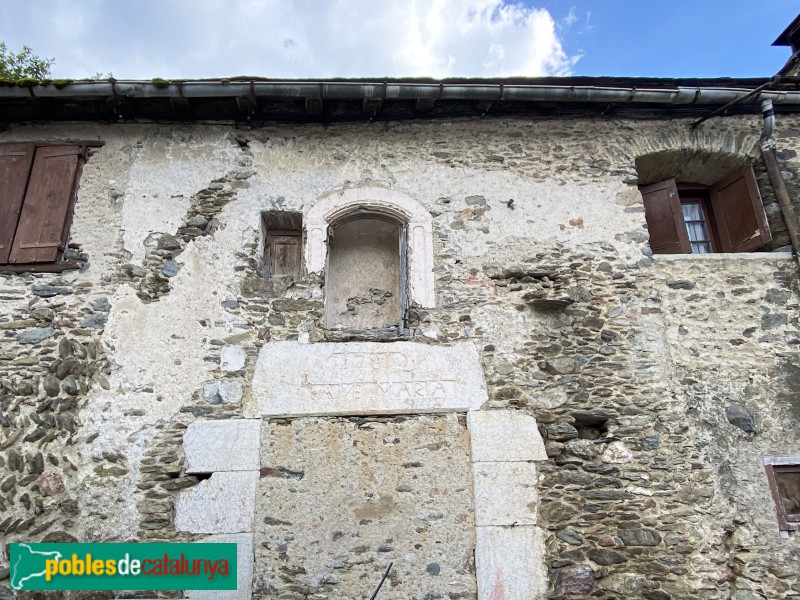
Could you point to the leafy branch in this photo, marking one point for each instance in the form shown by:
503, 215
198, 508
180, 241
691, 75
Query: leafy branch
23, 64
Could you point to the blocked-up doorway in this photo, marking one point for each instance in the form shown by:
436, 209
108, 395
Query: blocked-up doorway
341, 498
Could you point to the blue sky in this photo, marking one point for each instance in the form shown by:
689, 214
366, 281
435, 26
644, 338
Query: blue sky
675, 38
141, 39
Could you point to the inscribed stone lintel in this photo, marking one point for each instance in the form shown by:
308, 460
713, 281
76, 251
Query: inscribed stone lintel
294, 379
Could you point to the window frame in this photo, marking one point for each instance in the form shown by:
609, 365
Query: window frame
58, 264
730, 205
690, 193
278, 224
773, 466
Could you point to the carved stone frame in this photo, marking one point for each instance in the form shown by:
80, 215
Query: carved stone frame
330, 208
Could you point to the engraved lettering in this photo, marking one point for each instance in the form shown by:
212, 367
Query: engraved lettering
379, 390
337, 361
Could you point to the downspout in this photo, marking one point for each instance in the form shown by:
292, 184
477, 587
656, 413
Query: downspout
776, 178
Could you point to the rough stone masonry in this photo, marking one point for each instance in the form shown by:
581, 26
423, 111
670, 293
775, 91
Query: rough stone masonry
578, 419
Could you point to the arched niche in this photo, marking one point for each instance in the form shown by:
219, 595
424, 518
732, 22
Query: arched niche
377, 203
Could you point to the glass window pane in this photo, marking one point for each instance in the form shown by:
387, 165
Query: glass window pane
789, 488
695, 221
696, 232
692, 212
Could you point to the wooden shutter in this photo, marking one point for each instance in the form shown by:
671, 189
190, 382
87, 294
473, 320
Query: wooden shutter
284, 253
45, 213
15, 166
662, 210
739, 213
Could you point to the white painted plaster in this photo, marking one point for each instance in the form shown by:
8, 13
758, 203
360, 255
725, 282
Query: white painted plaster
163, 179
143, 215
156, 347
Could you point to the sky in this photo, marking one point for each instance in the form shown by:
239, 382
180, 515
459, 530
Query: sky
143, 39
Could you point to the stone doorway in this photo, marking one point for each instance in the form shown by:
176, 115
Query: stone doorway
354, 456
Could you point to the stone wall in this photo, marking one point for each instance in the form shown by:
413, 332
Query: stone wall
658, 384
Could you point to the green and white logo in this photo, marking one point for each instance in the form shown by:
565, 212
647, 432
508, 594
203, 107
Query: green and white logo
123, 566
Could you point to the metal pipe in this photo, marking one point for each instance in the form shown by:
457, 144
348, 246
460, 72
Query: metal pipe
775, 79
350, 90
775, 176
768, 125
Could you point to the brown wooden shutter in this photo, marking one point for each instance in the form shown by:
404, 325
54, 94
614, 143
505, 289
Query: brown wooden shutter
15, 166
46, 210
284, 254
662, 210
739, 213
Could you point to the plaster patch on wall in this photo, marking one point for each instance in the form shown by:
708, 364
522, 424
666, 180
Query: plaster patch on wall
542, 215
143, 215
163, 180
140, 336
100, 496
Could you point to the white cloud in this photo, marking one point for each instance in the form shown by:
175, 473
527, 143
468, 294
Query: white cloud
588, 26
571, 17
282, 38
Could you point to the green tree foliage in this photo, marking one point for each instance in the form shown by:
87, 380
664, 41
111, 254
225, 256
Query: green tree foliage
23, 64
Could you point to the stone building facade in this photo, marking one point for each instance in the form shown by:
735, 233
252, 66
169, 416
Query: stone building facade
519, 400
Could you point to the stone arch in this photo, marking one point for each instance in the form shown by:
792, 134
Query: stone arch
696, 165
688, 164
377, 201
678, 141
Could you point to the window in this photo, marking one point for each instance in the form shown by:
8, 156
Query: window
283, 245
783, 474
38, 185
365, 284
685, 218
